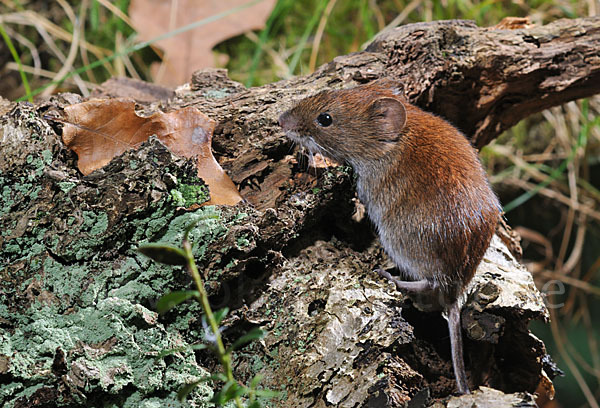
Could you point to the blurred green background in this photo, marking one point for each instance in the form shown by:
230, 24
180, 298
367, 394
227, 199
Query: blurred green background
559, 223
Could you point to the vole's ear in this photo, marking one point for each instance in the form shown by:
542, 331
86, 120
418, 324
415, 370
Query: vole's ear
391, 114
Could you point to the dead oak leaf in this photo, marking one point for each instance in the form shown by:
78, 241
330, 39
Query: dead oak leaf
101, 129
192, 50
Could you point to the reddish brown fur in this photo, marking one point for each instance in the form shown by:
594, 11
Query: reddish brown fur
420, 180
424, 186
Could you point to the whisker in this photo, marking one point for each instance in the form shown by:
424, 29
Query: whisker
292, 145
312, 162
323, 151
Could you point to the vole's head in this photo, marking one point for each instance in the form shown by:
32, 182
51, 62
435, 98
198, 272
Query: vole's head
354, 125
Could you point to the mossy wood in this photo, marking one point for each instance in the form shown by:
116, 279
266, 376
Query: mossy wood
78, 325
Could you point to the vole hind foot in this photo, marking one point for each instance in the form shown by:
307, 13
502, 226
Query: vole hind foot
454, 327
411, 286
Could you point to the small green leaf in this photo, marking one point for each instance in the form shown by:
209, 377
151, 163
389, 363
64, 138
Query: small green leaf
236, 391
254, 383
253, 334
170, 300
220, 314
230, 391
219, 377
163, 253
253, 404
199, 346
186, 389
168, 352
219, 397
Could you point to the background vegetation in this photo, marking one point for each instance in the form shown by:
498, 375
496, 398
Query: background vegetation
546, 169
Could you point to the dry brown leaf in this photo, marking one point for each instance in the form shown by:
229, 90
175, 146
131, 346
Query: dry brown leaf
192, 50
513, 23
191, 140
101, 129
321, 162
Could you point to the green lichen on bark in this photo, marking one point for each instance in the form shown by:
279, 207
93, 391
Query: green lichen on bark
77, 299
77, 325
186, 195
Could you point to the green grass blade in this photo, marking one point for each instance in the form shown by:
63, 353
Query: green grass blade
17, 59
309, 29
581, 143
262, 39
95, 15
531, 193
142, 45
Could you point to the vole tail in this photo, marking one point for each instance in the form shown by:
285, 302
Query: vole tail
456, 344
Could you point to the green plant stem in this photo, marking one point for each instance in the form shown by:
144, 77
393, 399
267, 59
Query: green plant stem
224, 357
15, 56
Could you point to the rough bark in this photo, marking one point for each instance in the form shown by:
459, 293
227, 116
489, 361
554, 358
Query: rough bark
76, 318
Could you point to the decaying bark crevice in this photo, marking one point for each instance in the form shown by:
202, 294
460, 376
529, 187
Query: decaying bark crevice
291, 259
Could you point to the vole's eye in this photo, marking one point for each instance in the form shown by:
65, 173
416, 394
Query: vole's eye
324, 119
